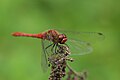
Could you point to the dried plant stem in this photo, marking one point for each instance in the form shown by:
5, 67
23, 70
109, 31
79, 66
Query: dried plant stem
76, 75
73, 71
59, 64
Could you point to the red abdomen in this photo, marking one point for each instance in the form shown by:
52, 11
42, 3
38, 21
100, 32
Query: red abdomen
18, 34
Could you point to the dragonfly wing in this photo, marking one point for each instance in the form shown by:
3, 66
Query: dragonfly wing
46, 53
44, 59
79, 47
84, 36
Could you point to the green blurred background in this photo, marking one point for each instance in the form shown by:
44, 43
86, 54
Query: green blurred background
20, 57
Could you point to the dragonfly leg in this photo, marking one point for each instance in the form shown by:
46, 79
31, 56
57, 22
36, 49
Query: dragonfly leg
56, 48
47, 48
52, 49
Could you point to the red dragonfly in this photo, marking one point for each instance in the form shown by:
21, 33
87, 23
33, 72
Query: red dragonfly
51, 40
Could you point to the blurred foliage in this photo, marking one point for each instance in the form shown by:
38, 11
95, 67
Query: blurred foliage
20, 57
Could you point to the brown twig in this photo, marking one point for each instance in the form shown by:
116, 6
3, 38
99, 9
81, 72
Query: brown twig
59, 63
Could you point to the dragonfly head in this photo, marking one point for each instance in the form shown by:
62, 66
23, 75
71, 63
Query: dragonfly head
62, 38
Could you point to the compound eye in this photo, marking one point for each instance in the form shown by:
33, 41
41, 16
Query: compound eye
60, 36
64, 40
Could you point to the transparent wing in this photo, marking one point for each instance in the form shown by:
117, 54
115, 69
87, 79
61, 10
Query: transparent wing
44, 59
79, 47
45, 54
84, 36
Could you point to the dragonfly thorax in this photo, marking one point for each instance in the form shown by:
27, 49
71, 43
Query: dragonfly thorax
55, 37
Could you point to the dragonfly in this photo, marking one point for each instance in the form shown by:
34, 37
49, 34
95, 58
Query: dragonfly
52, 39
